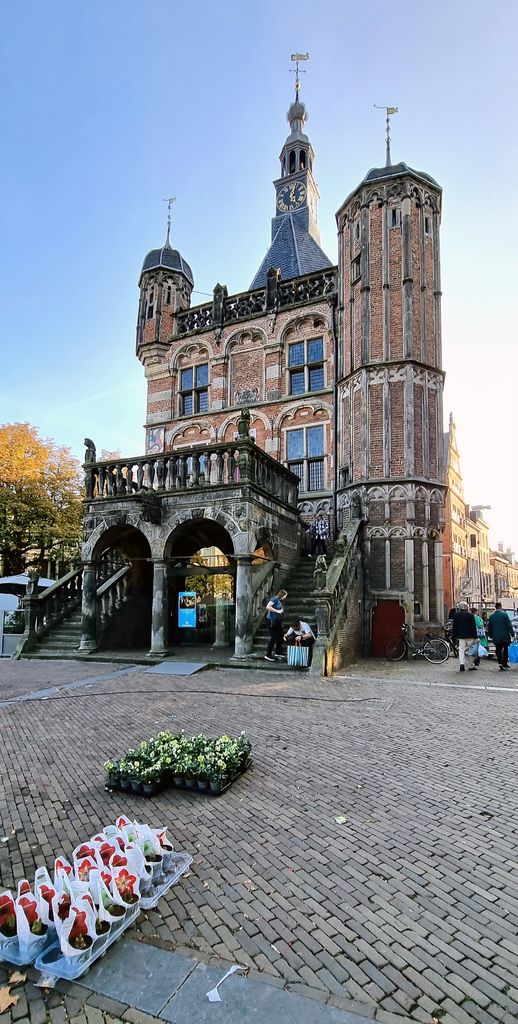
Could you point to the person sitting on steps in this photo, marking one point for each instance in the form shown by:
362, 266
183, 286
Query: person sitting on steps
300, 633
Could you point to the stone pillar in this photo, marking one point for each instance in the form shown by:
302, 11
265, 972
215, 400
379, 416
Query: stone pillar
220, 639
89, 609
426, 582
439, 583
159, 609
244, 635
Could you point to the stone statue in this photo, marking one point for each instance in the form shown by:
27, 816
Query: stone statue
243, 426
320, 573
90, 453
32, 581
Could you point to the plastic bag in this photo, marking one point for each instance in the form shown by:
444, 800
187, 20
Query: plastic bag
482, 653
297, 656
513, 654
472, 649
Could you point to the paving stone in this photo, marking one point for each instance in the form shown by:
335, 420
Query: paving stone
139, 975
241, 997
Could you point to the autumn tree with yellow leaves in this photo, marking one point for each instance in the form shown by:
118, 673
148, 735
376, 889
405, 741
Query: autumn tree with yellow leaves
40, 500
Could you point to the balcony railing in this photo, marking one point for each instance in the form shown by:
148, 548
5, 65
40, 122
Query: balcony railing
276, 296
218, 465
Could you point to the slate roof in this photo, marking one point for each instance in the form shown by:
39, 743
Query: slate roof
167, 257
293, 251
394, 170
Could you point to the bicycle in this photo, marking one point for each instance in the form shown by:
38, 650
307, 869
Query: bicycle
452, 642
434, 649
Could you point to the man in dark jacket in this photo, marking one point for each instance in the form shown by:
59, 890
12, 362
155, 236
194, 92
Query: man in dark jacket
464, 628
500, 631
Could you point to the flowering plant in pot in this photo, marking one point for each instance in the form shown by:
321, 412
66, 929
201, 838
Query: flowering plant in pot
113, 774
151, 778
7, 916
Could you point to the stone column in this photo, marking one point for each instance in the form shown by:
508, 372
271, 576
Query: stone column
426, 582
244, 635
220, 638
159, 609
439, 583
89, 609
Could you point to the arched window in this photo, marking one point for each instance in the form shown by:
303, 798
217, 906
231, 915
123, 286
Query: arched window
150, 304
302, 160
292, 161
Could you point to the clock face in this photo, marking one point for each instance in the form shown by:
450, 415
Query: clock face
291, 196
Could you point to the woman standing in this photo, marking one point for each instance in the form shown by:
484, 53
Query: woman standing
274, 613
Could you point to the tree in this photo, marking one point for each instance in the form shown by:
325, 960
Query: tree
40, 500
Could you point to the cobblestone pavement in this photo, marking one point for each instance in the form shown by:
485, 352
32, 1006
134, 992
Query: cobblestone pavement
407, 909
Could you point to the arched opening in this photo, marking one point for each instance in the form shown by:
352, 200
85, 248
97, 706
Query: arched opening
124, 603
302, 160
292, 161
201, 584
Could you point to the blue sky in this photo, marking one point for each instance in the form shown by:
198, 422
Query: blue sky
110, 106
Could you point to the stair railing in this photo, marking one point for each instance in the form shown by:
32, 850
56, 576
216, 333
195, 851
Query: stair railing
263, 586
111, 596
44, 611
331, 589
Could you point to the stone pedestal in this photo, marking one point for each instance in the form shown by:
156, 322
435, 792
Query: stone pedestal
160, 609
244, 635
89, 641
220, 638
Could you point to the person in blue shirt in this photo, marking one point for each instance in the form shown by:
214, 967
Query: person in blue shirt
274, 613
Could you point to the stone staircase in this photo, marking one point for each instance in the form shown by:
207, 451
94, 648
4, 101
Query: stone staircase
62, 641
299, 604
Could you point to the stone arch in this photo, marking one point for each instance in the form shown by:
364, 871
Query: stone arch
190, 351
237, 337
131, 627
203, 432
299, 324
398, 493
288, 413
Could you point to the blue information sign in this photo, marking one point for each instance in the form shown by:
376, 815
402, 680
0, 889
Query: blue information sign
187, 609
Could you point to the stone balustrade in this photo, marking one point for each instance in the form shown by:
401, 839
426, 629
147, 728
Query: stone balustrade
218, 465
278, 295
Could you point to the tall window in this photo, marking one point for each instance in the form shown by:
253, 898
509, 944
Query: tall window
306, 366
194, 389
150, 308
305, 456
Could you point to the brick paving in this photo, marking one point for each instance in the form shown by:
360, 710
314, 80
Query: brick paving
407, 908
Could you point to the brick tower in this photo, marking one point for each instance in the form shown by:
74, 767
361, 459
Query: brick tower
389, 392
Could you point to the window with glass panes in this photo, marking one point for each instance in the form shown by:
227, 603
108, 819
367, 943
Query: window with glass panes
194, 389
306, 366
305, 456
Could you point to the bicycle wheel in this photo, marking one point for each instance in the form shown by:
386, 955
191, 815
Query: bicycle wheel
436, 650
396, 649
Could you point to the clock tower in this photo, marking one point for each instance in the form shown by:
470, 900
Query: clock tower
295, 246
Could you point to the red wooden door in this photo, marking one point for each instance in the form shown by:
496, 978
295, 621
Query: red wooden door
387, 620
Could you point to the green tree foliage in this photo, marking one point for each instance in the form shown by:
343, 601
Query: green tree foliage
40, 500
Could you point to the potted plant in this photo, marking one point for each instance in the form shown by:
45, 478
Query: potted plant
112, 771
124, 776
7, 917
151, 779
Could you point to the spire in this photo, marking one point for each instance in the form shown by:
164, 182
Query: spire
170, 201
297, 57
297, 113
389, 111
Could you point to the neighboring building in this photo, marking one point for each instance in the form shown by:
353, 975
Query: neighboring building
458, 583
505, 570
479, 563
340, 368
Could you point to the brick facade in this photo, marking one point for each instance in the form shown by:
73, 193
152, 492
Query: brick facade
377, 395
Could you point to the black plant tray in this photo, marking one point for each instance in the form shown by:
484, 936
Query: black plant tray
182, 787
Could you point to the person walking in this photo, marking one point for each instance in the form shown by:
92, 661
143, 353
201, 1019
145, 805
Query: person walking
320, 534
301, 634
500, 631
482, 638
274, 613
464, 629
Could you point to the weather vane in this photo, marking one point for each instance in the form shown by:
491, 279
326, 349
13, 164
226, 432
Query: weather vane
170, 201
389, 111
297, 57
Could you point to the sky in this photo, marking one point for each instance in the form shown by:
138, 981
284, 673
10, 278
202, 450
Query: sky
110, 106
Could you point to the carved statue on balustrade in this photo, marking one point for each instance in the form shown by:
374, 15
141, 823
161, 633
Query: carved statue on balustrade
320, 573
243, 426
90, 453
